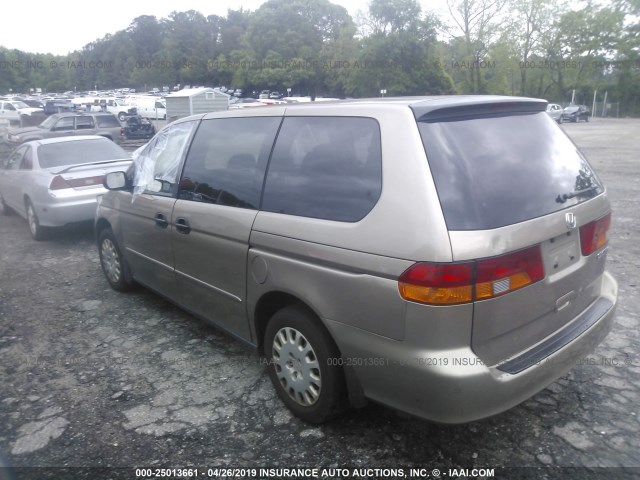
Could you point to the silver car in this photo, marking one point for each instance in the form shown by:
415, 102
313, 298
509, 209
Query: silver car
555, 111
444, 256
55, 181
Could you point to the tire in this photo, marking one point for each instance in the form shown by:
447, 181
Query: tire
560, 120
4, 208
113, 264
299, 351
37, 231
122, 116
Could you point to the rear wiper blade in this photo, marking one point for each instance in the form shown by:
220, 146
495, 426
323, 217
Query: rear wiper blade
566, 196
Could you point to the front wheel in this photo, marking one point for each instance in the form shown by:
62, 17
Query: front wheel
122, 116
303, 365
114, 266
37, 231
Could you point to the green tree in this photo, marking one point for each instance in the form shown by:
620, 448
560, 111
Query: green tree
398, 53
478, 23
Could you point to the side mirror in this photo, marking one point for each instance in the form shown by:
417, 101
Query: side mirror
115, 181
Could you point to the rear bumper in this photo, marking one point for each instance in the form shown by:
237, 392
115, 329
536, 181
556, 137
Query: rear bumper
454, 386
68, 208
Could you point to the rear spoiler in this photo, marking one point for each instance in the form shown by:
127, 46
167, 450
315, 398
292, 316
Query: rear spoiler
91, 164
479, 110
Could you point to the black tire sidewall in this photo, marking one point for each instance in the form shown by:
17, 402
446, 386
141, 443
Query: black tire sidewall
41, 232
331, 392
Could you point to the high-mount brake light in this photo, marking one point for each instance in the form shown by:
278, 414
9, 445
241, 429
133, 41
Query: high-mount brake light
595, 235
456, 283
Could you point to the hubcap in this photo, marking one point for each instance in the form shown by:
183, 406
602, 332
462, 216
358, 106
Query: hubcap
296, 366
110, 260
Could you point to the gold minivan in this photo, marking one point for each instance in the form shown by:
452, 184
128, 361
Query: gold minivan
444, 256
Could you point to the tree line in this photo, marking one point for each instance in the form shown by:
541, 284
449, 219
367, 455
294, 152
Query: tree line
541, 48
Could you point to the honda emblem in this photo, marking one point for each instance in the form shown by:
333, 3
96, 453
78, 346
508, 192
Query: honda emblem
570, 221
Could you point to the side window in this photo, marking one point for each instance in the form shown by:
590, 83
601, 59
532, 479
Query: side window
84, 123
156, 167
8, 106
15, 159
65, 123
27, 160
325, 167
107, 121
227, 161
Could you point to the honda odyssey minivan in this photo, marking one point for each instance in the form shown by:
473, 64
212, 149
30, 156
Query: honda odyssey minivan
444, 256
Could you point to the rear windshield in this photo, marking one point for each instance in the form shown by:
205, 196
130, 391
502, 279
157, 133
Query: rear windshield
77, 152
494, 171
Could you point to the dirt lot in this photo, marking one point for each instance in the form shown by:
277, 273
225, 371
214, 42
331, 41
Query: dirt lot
93, 378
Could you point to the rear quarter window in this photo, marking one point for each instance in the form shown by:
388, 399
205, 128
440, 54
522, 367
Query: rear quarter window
325, 167
107, 121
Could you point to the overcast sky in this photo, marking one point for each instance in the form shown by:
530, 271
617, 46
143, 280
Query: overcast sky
64, 26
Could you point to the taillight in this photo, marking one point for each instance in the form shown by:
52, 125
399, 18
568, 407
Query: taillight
595, 235
58, 183
504, 274
455, 283
437, 283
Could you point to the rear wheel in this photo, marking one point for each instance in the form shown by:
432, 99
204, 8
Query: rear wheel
302, 362
113, 264
122, 116
37, 231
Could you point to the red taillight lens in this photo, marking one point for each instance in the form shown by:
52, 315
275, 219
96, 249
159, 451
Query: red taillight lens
58, 183
500, 275
450, 284
437, 284
595, 235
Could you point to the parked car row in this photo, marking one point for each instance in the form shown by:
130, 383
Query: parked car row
17, 112
470, 282
572, 113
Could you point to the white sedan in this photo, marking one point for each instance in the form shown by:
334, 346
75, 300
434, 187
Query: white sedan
56, 181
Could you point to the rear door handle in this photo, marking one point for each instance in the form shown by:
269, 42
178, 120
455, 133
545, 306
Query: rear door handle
182, 225
161, 220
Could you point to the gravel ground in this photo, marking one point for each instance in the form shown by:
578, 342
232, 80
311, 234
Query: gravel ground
92, 378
